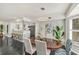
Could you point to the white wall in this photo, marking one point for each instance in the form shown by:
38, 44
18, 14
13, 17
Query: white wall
36, 29
40, 28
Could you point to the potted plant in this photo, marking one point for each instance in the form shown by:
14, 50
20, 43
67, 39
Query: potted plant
1, 31
1, 28
58, 33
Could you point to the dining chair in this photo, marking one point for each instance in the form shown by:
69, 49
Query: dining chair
60, 51
66, 51
68, 47
28, 47
41, 48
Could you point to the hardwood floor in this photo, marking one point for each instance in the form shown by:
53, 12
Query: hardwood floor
7, 49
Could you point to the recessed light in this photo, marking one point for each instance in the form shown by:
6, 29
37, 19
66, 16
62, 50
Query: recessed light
42, 8
49, 17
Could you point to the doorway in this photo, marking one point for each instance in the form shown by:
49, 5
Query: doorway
32, 31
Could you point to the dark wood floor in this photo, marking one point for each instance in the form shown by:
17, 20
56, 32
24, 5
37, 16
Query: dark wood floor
6, 48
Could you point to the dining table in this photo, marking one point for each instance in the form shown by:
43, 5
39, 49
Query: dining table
50, 44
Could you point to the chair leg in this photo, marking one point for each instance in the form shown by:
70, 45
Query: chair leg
27, 53
35, 53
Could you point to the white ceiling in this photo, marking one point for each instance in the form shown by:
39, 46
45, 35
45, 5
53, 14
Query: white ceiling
11, 11
75, 11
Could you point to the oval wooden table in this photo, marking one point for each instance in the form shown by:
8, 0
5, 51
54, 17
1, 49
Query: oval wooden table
53, 46
50, 45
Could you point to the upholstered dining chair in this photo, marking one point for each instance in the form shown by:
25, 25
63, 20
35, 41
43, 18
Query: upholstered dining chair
66, 51
28, 47
41, 48
68, 47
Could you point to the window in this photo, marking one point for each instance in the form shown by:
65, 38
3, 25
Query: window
75, 30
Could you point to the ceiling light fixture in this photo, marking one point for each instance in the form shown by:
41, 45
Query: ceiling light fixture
49, 17
42, 8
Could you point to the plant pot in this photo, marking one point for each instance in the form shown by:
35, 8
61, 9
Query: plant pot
57, 42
